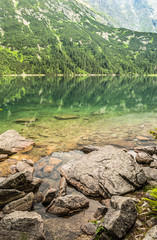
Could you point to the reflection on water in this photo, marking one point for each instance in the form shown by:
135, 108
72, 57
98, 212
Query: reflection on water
110, 109
64, 114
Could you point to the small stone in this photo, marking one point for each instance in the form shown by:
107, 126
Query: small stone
49, 195
89, 228
28, 161
54, 161
153, 164
149, 196
22, 166
138, 223
3, 157
151, 234
90, 148
48, 169
148, 149
152, 222
68, 204
143, 157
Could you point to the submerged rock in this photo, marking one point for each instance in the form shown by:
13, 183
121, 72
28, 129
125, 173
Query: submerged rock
66, 117
106, 172
68, 204
22, 225
12, 142
22, 204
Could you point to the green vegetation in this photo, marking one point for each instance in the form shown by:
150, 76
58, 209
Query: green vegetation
64, 37
153, 202
154, 133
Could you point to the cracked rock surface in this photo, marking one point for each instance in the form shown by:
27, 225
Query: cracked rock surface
106, 172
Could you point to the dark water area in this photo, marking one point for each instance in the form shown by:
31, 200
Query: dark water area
64, 114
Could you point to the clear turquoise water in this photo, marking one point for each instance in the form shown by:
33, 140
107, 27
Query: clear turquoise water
109, 109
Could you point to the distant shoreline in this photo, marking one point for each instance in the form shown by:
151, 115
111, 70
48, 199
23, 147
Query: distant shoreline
77, 75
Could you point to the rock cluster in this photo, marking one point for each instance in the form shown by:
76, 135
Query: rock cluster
18, 193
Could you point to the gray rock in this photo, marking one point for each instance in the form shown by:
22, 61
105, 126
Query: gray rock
16, 225
1, 215
68, 204
28, 161
100, 212
143, 157
2, 179
12, 142
9, 195
22, 204
109, 171
154, 164
23, 181
148, 149
89, 228
151, 234
23, 166
151, 174
49, 195
37, 197
120, 217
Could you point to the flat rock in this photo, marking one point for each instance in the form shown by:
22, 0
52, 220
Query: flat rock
2, 179
3, 157
148, 149
67, 205
25, 120
106, 172
22, 225
23, 181
48, 168
120, 217
23, 166
22, 204
66, 117
151, 234
12, 142
9, 195
144, 158
142, 138
54, 161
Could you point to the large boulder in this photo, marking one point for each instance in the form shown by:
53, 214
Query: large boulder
151, 234
69, 204
23, 181
12, 142
105, 172
22, 225
120, 217
22, 204
9, 195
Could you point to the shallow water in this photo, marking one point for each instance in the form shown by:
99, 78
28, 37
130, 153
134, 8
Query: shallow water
63, 114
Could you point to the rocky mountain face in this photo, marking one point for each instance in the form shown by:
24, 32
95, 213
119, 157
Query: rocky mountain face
67, 36
139, 15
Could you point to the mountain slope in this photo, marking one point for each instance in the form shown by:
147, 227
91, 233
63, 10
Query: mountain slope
65, 36
140, 15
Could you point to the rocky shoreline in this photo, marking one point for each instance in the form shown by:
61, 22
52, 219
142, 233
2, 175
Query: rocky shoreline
113, 176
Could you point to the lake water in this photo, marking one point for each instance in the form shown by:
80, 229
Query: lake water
63, 114
118, 110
